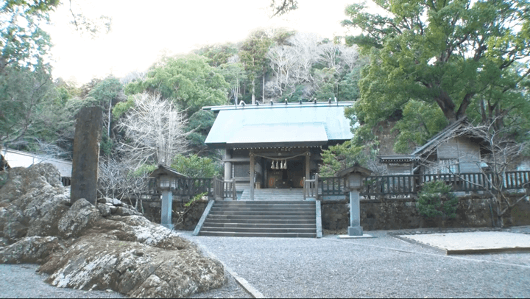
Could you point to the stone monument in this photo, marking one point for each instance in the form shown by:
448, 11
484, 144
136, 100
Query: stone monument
86, 154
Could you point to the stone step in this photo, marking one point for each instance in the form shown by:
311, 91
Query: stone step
261, 225
260, 217
262, 235
263, 213
260, 229
261, 221
292, 218
265, 202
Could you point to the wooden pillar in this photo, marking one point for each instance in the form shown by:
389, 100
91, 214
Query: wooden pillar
307, 166
251, 175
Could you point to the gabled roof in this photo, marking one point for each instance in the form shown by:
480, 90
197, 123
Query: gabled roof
165, 170
429, 145
441, 136
305, 124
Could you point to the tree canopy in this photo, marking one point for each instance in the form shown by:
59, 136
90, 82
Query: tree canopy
188, 81
465, 57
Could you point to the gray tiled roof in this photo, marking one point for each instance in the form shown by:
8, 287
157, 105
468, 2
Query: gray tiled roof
280, 125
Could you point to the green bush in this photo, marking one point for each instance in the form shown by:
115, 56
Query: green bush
437, 200
195, 166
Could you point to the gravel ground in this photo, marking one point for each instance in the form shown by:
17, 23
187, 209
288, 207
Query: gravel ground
380, 267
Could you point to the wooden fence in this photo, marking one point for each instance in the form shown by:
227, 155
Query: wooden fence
406, 185
190, 187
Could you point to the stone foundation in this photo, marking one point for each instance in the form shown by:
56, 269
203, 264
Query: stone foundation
402, 214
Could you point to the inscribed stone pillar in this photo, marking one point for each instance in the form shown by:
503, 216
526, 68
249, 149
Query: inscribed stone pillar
86, 154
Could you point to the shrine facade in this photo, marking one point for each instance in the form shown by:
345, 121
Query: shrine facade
276, 145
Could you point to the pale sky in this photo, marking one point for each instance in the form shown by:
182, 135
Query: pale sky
143, 30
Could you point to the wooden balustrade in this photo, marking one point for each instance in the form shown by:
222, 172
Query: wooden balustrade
403, 185
224, 189
311, 188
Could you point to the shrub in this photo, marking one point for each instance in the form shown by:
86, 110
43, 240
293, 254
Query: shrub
436, 199
195, 166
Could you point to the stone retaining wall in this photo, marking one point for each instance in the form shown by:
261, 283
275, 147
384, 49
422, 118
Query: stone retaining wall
375, 214
402, 214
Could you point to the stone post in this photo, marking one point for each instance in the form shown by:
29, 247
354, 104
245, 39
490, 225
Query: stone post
86, 154
354, 176
355, 228
167, 202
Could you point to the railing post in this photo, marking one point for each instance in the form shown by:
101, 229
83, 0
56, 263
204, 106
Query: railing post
234, 193
305, 187
315, 190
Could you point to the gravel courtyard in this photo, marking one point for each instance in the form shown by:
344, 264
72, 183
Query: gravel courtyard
380, 267
384, 266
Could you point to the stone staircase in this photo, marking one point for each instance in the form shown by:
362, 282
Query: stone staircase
274, 194
262, 219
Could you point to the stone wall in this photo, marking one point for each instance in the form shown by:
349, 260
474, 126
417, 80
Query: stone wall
402, 214
189, 219
375, 214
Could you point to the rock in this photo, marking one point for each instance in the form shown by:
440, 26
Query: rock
114, 254
123, 252
124, 211
30, 250
15, 224
116, 202
113, 209
82, 214
23, 180
34, 199
104, 210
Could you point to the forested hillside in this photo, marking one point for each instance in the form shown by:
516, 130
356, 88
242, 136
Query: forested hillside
417, 64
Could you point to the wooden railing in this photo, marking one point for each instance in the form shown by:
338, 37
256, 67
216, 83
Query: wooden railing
224, 189
332, 186
390, 184
311, 188
404, 185
189, 187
